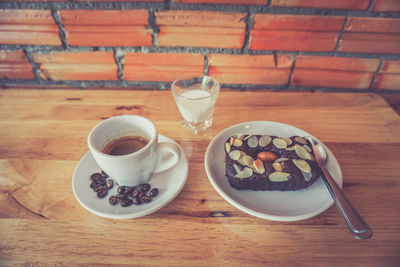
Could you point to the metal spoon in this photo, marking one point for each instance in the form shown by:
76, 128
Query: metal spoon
358, 227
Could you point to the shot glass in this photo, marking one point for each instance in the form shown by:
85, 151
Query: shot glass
195, 97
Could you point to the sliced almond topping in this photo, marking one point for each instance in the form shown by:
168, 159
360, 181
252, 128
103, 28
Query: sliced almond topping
241, 158
237, 142
231, 141
279, 176
239, 136
267, 156
264, 140
307, 148
302, 165
253, 142
281, 160
307, 176
247, 137
279, 143
227, 147
277, 166
291, 148
234, 154
236, 167
301, 140
310, 157
258, 166
301, 151
245, 173
248, 160
287, 140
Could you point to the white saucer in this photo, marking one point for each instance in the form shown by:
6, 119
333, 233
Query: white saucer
169, 183
271, 205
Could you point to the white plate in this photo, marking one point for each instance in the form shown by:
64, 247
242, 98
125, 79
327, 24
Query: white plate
169, 183
271, 205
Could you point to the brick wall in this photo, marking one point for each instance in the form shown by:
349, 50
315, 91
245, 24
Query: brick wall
341, 45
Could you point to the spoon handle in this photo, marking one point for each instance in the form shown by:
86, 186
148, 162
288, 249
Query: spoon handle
355, 222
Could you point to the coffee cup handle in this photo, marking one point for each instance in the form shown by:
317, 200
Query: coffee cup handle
168, 155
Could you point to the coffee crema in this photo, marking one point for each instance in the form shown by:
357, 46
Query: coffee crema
125, 145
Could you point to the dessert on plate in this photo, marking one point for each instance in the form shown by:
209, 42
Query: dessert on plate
266, 162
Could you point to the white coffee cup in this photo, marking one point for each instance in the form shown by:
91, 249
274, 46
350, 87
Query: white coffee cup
134, 168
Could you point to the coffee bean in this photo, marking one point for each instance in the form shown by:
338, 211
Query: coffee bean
98, 188
145, 198
101, 180
93, 184
129, 189
144, 187
109, 183
153, 192
128, 195
126, 202
135, 193
136, 201
122, 196
121, 189
95, 175
113, 200
102, 193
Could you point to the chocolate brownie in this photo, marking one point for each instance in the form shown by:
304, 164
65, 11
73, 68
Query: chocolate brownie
263, 162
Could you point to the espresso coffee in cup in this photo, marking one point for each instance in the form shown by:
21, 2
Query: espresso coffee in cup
125, 145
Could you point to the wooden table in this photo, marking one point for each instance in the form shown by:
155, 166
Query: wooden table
43, 136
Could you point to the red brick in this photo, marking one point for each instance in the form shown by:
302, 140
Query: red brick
373, 25
387, 81
241, 60
337, 63
338, 4
250, 69
104, 17
40, 1
236, 2
329, 78
198, 30
386, 6
168, 59
77, 66
322, 71
201, 29
255, 61
167, 37
371, 35
31, 27
118, 0
370, 43
283, 61
293, 40
111, 36
26, 17
391, 66
239, 75
297, 22
200, 18
389, 77
294, 33
107, 27
14, 65
161, 66
73, 58
13, 56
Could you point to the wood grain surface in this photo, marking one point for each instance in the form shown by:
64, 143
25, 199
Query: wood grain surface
43, 136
